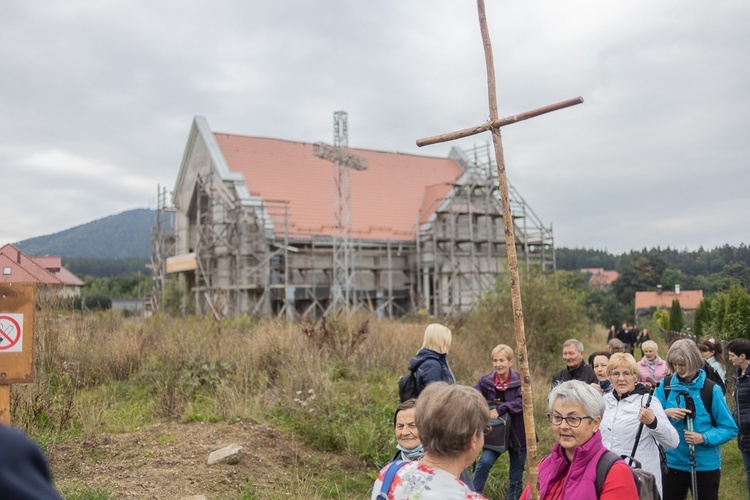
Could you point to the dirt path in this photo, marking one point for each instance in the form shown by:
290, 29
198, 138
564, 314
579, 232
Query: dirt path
169, 461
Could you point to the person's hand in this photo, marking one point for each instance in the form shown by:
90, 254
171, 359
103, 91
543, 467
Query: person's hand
646, 415
493, 413
677, 413
694, 438
596, 386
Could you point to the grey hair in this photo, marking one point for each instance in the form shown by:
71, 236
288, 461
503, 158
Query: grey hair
578, 393
685, 352
575, 342
652, 344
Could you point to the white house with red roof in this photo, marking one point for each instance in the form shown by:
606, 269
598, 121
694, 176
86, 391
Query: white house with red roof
17, 267
255, 226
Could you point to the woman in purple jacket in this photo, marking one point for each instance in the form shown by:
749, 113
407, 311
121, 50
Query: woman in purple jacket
502, 390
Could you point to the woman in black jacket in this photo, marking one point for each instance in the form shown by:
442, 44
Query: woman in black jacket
739, 356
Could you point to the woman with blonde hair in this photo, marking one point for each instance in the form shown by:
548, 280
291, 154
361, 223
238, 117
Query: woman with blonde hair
630, 407
501, 388
451, 420
431, 362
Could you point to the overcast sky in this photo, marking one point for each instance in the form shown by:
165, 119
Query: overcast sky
97, 98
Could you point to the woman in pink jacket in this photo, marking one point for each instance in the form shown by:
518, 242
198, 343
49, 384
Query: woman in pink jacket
651, 365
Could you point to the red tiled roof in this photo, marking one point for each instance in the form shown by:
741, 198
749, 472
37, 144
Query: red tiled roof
689, 299
600, 277
54, 265
386, 198
22, 268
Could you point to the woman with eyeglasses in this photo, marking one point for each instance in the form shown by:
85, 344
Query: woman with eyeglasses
701, 432
452, 420
569, 471
626, 409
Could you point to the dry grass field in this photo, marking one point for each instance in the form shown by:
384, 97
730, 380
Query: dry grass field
131, 407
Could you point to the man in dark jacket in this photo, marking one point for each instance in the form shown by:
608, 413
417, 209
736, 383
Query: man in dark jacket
576, 368
24, 473
628, 336
739, 356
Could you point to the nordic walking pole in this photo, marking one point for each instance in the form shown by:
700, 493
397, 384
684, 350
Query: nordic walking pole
690, 406
651, 381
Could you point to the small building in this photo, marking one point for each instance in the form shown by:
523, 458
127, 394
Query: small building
600, 278
17, 267
646, 302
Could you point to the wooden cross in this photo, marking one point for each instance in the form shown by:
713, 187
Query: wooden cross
494, 125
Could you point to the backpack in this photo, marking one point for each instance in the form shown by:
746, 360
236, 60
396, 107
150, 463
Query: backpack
645, 482
713, 376
390, 474
407, 386
498, 440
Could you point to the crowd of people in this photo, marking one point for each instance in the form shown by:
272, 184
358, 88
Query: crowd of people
668, 417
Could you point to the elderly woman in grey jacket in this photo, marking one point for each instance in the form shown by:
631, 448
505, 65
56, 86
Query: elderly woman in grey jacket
624, 412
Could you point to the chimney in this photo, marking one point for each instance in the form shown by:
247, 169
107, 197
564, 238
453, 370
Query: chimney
677, 289
658, 289
18, 257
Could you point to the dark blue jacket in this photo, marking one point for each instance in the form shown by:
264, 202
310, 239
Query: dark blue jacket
742, 408
430, 366
24, 473
513, 403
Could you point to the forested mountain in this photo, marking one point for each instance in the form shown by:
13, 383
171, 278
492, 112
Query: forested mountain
123, 236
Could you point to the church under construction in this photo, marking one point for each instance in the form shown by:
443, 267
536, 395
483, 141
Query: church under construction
275, 227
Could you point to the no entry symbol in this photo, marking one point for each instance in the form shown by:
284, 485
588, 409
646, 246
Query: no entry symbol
10, 333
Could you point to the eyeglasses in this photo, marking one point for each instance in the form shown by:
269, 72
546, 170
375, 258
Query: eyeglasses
617, 375
571, 420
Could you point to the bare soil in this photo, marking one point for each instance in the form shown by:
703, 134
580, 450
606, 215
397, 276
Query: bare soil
169, 461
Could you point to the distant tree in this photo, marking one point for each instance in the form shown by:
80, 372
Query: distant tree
642, 273
702, 317
661, 316
676, 320
737, 272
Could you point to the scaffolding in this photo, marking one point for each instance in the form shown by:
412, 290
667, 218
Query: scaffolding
249, 260
162, 247
461, 245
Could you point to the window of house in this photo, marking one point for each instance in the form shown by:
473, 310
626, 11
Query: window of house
6, 270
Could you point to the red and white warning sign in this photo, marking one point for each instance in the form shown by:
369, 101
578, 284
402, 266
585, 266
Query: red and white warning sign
11, 328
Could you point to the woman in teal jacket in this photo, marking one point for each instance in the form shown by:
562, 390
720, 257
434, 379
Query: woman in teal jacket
710, 430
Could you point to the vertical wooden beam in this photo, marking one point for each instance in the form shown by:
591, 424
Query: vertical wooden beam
5, 405
515, 282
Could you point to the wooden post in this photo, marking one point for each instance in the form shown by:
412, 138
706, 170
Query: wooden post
494, 125
5, 405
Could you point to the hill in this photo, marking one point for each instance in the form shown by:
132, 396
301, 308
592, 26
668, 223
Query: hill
123, 236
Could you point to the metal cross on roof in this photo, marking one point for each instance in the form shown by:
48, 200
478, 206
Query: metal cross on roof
493, 126
338, 154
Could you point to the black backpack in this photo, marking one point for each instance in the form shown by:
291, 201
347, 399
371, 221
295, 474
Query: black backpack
645, 482
713, 376
407, 386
